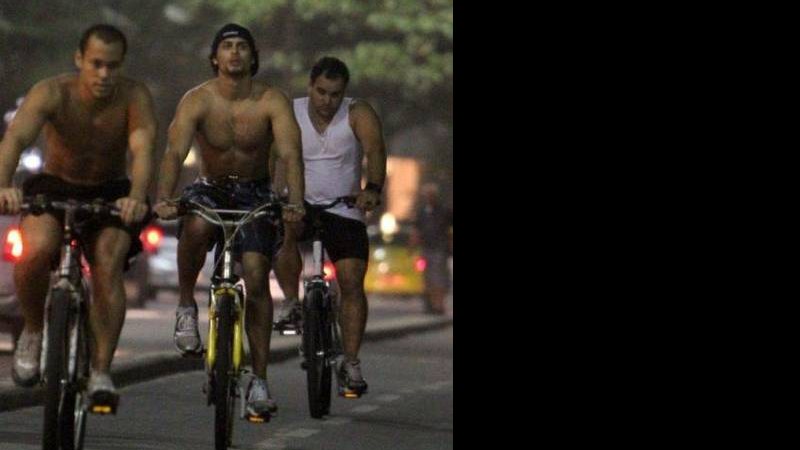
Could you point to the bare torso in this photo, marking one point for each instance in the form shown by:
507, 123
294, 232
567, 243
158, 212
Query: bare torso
87, 144
234, 136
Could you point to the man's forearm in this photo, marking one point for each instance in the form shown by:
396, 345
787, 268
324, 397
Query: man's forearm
168, 176
376, 167
9, 159
141, 174
295, 173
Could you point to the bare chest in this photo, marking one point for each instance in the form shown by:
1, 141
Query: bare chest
79, 129
242, 127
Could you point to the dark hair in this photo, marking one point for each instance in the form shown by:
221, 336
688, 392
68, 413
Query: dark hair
106, 33
233, 30
332, 68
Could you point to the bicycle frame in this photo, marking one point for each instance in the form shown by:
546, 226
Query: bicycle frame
65, 353
226, 296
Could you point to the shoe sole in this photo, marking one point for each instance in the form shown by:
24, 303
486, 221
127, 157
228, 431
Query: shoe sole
21, 382
103, 403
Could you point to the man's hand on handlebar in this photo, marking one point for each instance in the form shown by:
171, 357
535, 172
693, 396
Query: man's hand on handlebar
368, 199
166, 209
131, 210
293, 212
10, 200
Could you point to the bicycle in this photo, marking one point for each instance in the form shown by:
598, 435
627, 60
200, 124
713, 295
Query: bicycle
321, 343
65, 359
226, 315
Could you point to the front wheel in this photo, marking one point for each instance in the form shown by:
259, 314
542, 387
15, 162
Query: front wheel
59, 400
316, 348
223, 366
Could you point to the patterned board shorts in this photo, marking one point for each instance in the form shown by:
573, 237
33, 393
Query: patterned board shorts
260, 235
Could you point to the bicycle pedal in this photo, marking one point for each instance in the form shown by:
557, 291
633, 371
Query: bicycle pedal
264, 418
104, 403
350, 393
196, 354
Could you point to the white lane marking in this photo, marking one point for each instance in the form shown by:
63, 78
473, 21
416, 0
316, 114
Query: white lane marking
299, 433
408, 391
364, 408
337, 421
387, 398
272, 444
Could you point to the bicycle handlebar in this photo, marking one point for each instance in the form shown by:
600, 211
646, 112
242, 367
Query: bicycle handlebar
39, 204
213, 215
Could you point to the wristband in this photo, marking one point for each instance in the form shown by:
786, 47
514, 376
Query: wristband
373, 187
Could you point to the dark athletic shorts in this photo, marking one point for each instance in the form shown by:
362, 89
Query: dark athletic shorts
57, 189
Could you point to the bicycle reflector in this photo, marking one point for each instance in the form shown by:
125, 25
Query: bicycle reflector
12, 248
151, 238
420, 264
330, 271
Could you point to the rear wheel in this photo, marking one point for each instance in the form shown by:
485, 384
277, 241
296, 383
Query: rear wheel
81, 375
223, 390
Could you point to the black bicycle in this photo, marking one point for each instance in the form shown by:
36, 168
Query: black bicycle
226, 315
321, 346
65, 347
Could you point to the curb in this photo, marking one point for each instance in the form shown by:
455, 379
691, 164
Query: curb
168, 363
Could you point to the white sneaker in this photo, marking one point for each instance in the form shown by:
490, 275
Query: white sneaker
187, 336
27, 356
259, 402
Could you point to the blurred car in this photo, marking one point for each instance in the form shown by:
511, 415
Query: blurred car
163, 264
395, 268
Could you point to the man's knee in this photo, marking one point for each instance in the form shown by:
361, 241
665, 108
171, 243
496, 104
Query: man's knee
350, 276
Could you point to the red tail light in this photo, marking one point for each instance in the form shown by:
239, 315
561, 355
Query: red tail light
151, 238
420, 264
12, 248
330, 271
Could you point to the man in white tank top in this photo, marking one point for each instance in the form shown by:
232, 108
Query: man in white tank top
337, 133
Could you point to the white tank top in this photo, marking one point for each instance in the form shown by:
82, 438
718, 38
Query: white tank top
332, 159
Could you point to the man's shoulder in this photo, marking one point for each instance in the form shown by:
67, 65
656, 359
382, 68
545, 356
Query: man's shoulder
58, 83
268, 92
360, 106
201, 94
133, 87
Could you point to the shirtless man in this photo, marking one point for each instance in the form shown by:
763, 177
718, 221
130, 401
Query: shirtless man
91, 119
234, 120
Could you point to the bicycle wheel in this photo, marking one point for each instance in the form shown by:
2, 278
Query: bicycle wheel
82, 365
58, 432
316, 346
223, 390
333, 348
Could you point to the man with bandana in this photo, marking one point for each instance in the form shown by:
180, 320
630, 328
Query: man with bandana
234, 120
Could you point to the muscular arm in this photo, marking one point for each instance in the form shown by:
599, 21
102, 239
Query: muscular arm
181, 132
287, 145
141, 141
39, 104
368, 130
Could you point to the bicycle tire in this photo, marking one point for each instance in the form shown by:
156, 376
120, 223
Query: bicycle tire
223, 365
82, 367
56, 429
318, 376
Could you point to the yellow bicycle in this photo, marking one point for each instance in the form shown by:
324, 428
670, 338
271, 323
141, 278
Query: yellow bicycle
226, 314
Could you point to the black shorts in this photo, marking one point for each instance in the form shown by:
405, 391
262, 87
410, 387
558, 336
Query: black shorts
57, 189
228, 193
341, 237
